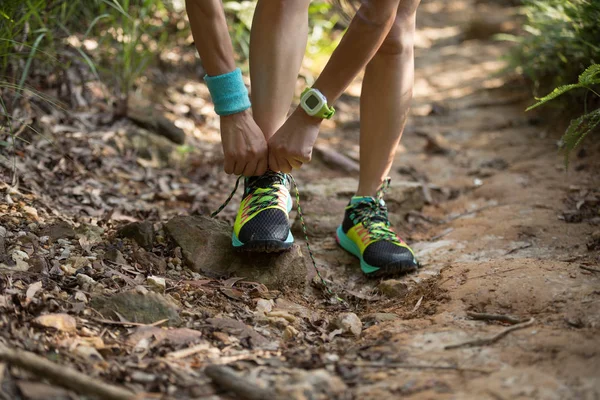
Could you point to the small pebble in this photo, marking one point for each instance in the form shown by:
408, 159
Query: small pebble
157, 283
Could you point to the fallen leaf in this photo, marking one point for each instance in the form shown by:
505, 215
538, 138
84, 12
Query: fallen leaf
32, 290
61, 322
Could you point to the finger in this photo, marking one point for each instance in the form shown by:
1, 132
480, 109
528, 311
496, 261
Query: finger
273, 165
239, 167
262, 166
295, 163
285, 166
250, 169
228, 165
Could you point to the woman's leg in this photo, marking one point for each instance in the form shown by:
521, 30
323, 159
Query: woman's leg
385, 100
277, 45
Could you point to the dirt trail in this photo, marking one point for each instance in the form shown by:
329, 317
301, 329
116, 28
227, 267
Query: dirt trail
478, 189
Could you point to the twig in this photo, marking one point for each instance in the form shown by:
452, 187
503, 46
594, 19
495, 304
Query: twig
63, 375
494, 317
175, 355
441, 235
127, 323
493, 339
465, 214
589, 269
392, 365
417, 305
231, 381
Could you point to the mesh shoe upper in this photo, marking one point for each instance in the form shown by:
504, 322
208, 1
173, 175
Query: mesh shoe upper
263, 213
367, 216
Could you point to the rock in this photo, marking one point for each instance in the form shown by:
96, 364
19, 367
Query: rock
136, 307
86, 282
157, 283
58, 230
377, 318
264, 306
61, 322
141, 232
206, 247
150, 261
115, 256
393, 288
349, 323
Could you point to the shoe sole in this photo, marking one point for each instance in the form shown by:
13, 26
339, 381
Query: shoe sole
393, 269
264, 246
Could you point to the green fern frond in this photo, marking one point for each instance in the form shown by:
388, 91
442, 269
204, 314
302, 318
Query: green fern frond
590, 76
554, 94
578, 129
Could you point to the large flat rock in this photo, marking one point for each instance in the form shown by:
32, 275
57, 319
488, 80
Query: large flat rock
206, 247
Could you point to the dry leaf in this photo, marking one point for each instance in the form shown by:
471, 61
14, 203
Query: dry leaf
61, 322
32, 290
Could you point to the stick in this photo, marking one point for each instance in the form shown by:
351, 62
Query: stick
494, 317
589, 269
231, 381
63, 375
392, 365
493, 339
127, 323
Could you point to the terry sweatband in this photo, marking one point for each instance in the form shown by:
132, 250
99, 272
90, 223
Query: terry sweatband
228, 92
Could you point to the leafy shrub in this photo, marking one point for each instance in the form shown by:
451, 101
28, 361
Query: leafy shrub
579, 127
563, 38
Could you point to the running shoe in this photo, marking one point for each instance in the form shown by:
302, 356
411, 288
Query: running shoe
262, 222
366, 233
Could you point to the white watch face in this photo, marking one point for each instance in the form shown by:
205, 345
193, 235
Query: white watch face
313, 101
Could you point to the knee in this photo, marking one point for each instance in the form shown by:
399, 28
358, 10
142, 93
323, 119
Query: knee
401, 37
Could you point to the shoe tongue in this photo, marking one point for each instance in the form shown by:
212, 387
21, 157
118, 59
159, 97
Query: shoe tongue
365, 199
266, 180
368, 200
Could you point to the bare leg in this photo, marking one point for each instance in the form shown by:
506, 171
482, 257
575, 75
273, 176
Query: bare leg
385, 100
277, 46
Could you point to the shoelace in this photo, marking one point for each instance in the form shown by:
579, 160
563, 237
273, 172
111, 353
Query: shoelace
374, 216
304, 231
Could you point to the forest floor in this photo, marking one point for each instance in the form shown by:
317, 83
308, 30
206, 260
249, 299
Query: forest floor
93, 267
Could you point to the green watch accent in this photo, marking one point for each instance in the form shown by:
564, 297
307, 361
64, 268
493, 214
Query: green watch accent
315, 104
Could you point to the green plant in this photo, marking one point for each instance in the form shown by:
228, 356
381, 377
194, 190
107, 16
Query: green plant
562, 39
579, 127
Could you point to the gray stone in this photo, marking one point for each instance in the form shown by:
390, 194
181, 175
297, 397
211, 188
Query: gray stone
135, 307
115, 256
206, 247
141, 232
58, 230
393, 288
349, 323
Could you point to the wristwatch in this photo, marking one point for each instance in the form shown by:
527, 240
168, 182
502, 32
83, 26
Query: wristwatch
314, 104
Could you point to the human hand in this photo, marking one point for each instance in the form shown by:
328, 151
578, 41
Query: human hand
244, 145
291, 146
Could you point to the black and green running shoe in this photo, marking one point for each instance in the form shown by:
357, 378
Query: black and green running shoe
367, 234
262, 222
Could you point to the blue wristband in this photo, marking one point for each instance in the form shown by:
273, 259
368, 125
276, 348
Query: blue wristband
228, 92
